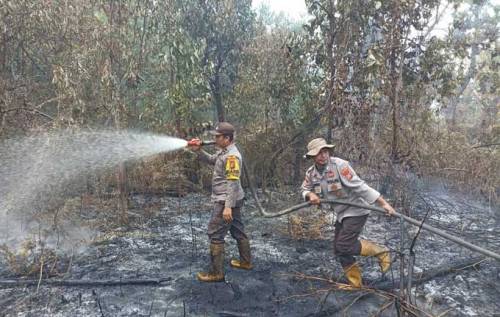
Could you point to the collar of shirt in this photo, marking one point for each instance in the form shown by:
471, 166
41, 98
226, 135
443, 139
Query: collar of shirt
225, 150
320, 169
230, 146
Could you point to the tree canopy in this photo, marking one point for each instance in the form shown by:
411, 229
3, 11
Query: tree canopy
370, 76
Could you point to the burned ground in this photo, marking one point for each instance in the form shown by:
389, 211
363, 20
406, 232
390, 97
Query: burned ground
291, 269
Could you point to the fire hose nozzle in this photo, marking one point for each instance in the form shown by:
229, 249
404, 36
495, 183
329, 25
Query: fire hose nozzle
198, 142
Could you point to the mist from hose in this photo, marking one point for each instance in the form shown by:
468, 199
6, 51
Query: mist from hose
36, 169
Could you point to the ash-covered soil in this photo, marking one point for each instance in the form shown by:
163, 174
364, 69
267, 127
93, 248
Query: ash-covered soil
171, 243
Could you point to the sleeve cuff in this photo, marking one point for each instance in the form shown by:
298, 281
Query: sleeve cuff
371, 196
229, 204
304, 194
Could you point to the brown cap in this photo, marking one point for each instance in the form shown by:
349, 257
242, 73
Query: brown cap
223, 128
315, 146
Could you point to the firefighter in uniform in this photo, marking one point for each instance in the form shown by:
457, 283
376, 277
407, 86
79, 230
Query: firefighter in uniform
331, 178
227, 197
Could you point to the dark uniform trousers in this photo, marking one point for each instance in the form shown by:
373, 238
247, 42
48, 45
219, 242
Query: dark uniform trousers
218, 228
346, 243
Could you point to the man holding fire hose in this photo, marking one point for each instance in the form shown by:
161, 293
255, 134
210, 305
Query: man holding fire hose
331, 178
227, 196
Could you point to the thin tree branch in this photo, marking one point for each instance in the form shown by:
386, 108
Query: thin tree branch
485, 145
436, 21
28, 110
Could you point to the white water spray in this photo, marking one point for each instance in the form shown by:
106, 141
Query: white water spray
37, 168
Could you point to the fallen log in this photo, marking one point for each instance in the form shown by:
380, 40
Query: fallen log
83, 283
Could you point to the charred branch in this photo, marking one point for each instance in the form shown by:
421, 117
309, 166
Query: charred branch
84, 283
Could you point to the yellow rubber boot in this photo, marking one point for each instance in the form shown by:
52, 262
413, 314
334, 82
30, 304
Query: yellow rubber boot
369, 248
244, 262
353, 275
216, 273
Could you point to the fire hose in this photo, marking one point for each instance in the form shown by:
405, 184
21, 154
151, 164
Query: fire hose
409, 220
198, 142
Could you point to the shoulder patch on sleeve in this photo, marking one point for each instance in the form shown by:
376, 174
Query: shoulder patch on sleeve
232, 168
346, 172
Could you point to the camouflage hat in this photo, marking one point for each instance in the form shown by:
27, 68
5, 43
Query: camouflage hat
223, 128
315, 146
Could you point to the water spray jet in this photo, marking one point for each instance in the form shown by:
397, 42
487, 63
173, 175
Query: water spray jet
41, 171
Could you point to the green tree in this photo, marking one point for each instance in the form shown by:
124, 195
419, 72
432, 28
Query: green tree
224, 28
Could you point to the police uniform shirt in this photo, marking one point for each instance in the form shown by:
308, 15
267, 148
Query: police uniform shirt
338, 180
226, 184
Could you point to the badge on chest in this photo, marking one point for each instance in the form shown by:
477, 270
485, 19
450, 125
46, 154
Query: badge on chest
317, 188
334, 186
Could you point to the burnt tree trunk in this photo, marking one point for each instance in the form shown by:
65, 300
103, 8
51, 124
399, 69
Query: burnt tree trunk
121, 173
395, 77
216, 90
331, 65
